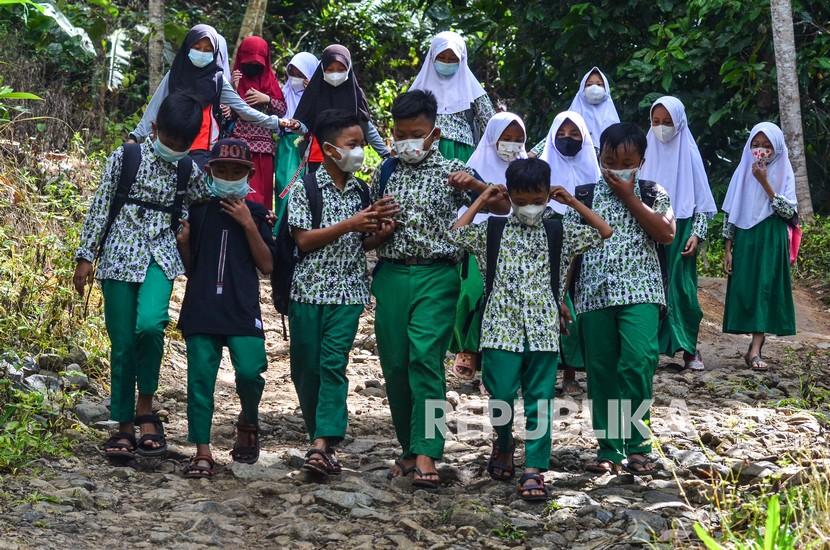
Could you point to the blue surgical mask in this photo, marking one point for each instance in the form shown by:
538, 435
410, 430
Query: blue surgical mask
228, 189
200, 59
166, 153
446, 69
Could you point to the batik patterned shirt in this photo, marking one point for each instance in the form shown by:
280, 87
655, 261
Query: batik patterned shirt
456, 126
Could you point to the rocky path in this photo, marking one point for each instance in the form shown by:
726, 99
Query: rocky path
727, 421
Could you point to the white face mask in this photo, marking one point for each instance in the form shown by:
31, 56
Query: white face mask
412, 151
350, 160
594, 94
624, 175
509, 151
335, 79
296, 83
530, 214
663, 133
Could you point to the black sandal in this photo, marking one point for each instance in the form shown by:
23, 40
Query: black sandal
194, 470
507, 470
424, 482
246, 454
603, 466
314, 467
114, 449
404, 470
647, 466
145, 450
537, 485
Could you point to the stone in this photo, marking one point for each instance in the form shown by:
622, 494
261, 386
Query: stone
42, 383
75, 379
89, 412
754, 470
372, 383
687, 459
453, 398
343, 499
161, 498
50, 362
79, 497
269, 467
654, 522
576, 500
373, 392
78, 356
294, 458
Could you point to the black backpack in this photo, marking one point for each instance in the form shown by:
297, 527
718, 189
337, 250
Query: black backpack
130, 161
648, 194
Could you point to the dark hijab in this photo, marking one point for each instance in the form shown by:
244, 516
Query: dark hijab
319, 95
204, 84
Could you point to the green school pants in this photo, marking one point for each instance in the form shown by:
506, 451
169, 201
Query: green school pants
621, 353
321, 339
136, 316
204, 354
503, 373
414, 319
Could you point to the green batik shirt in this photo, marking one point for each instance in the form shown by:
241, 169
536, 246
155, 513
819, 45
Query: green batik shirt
335, 273
429, 208
626, 270
522, 307
138, 235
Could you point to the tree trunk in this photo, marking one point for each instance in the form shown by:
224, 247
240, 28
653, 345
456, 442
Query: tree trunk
789, 101
156, 47
252, 21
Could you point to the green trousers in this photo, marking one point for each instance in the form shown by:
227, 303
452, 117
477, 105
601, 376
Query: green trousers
321, 338
204, 354
136, 316
414, 319
621, 353
503, 373
467, 329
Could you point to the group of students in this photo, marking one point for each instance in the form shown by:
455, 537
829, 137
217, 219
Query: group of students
516, 260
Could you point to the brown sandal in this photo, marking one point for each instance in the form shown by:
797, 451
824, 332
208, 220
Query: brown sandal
246, 454
537, 483
603, 466
194, 470
318, 462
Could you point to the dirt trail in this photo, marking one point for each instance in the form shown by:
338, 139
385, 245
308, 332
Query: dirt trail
84, 503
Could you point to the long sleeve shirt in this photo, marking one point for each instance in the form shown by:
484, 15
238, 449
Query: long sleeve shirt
456, 126
779, 205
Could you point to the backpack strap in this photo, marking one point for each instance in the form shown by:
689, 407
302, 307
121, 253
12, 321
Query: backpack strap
585, 195
130, 161
554, 232
365, 194
183, 172
315, 199
648, 192
387, 168
495, 230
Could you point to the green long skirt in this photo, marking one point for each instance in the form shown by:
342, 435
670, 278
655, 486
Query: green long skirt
466, 333
679, 329
570, 345
451, 149
759, 295
288, 159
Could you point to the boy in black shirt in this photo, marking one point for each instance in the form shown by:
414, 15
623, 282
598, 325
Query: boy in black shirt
223, 244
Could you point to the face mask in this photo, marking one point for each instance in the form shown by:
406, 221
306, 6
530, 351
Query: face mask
530, 214
166, 153
568, 146
335, 79
624, 175
297, 84
228, 189
446, 69
251, 69
763, 154
663, 133
200, 59
412, 151
594, 94
509, 151
350, 160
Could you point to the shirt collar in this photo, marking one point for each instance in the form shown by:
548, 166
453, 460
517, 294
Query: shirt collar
324, 179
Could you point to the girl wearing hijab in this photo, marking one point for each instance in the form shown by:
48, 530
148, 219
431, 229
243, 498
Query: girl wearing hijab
197, 71
760, 203
463, 105
298, 73
674, 161
503, 142
254, 81
569, 150
334, 86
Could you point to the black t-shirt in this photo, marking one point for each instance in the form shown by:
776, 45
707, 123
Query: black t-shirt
222, 295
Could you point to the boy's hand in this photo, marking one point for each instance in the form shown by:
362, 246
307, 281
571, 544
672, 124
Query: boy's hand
289, 124
255, 97
461, 181
561, 195
365, 221
238, 210
386, 208
270, 218
727, 262
235, 78
691, 246
183, 236
226, 111
82, 276
623, 189
386, 228
565, 318
493, 194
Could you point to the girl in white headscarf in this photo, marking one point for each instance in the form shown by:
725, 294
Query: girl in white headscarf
673, 160
463, 106
759, 205
298, 72
503, 142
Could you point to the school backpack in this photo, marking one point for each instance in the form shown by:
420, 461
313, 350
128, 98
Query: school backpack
130, 161
287, 253
648, 193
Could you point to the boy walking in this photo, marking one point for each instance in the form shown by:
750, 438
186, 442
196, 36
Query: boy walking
225, 242
526, 257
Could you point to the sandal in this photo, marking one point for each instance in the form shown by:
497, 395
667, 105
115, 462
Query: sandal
756, 363
143, 448
424, 480
246, 454
114, 449
603, 466
194, 470
404, 470
507, 470
640, 466
538, 484
465, 365
318, 462
336, 468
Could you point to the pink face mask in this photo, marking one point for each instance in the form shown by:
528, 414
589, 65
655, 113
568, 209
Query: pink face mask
763, 154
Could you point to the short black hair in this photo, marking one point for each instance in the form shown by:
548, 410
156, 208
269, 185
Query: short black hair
625, 134
331, 122
528, 175
180, 117
414, 104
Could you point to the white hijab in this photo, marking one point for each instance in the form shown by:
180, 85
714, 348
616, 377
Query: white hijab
746, 203
456, 93
677, 165
222, 58
485, 160
600, 116
306, 63
569, 172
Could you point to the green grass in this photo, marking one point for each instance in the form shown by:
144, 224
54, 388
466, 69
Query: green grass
509, 532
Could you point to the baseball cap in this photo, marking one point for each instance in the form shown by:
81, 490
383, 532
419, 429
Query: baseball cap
231, 150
